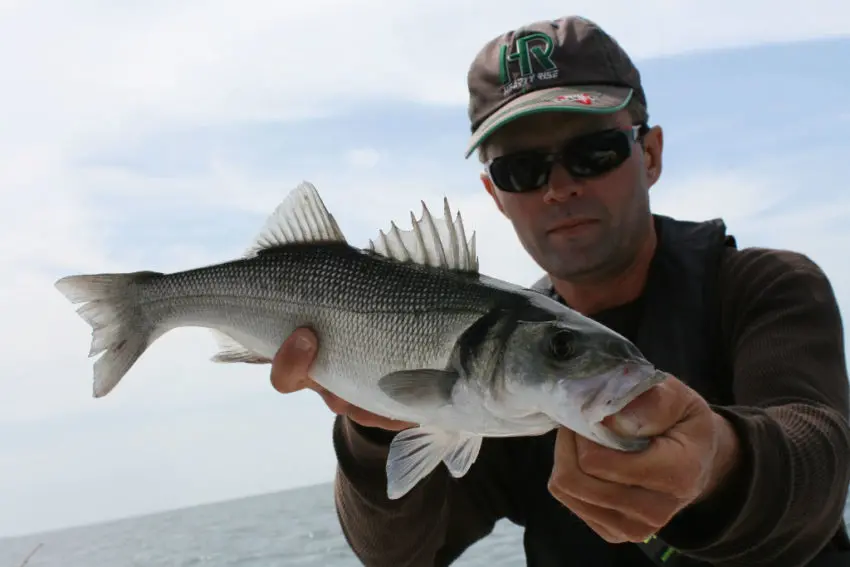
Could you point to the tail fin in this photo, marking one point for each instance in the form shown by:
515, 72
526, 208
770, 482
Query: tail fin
111, 307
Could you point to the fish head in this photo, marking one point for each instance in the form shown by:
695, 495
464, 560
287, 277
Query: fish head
578, 372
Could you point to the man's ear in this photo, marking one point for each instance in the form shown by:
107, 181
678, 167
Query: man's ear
653, 150
488, 185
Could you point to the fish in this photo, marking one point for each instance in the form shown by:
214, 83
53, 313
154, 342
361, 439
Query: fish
409, 328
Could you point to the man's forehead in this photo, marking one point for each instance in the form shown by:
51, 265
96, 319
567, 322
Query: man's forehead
553, 126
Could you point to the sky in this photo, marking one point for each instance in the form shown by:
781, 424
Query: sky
159, 135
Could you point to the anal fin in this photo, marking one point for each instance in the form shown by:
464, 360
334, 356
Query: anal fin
416, 452
463, 455
231, 351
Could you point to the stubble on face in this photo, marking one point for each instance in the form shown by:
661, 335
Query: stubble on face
616, 204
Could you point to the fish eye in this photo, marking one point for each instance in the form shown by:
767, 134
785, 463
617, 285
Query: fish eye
562, 344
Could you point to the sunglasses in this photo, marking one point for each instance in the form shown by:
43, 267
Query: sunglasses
584, 157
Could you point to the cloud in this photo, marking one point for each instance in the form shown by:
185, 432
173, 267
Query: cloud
739, 197
363, 157
203, 63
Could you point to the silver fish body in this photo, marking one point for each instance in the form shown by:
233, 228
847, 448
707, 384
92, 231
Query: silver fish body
408, 329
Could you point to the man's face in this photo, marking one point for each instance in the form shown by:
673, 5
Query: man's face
579, 228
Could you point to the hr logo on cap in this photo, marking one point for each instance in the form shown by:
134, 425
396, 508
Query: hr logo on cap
533, 60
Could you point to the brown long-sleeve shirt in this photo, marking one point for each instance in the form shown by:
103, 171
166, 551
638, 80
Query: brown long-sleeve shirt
783, 332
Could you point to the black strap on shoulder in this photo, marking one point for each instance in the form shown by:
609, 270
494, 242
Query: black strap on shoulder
664, 555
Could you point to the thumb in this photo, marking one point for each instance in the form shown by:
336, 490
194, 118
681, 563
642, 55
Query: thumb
291, 365
655, 411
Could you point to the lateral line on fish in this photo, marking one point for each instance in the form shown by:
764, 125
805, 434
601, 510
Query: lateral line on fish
261, 300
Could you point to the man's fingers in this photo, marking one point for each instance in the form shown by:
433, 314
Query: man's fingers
659, 469
291, 365
655, 411
612, 525
369, 419
571, 482
291, 372
604, 532
336, 405
361, 416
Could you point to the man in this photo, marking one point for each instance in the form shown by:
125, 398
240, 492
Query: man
751, 461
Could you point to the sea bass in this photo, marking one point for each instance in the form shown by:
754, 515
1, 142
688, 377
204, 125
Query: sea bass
408, 329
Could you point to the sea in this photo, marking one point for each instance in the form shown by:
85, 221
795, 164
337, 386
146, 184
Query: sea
291, 528
296, 527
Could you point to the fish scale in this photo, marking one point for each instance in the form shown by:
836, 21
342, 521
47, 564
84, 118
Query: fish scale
408, 329
280, 292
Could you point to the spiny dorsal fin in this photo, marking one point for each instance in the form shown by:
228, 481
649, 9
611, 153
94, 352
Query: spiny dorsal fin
300, 218
434, 242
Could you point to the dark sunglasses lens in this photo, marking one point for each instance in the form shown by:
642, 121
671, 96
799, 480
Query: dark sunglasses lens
585, 157
519, 172
597, 154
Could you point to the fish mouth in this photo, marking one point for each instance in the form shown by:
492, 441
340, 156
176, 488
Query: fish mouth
641, 387
649, 377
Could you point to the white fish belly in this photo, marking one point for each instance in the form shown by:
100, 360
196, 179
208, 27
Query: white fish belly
355, 349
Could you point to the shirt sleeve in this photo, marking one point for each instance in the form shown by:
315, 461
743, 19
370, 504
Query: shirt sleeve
433, 523
784, 502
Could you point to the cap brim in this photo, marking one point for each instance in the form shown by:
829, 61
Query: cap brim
591, 99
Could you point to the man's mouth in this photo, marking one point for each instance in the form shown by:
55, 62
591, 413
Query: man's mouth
574, 225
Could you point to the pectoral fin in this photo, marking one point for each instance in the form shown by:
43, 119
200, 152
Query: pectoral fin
415, 453
420, 388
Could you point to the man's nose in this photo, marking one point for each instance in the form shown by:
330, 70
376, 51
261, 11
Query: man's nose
562, 186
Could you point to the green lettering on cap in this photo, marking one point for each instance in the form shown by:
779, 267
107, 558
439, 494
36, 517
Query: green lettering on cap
538, 46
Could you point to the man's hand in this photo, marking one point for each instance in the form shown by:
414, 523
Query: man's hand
290, 373
630, 496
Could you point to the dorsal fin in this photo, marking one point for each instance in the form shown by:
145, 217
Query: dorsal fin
433, 242
300, 218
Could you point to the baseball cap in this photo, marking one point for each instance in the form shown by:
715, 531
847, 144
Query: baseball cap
568, 64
